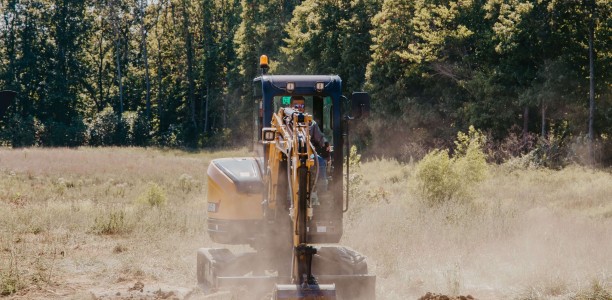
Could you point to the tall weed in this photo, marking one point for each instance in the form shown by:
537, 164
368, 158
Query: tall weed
10, 281
354, 161
112, 224
155, 196
443, 177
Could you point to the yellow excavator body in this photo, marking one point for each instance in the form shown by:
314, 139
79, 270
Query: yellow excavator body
234, 200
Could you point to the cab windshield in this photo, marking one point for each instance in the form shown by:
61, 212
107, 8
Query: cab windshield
319, 107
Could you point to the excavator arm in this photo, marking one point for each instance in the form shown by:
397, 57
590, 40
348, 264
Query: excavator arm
291, 144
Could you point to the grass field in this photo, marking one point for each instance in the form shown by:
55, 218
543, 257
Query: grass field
105, 223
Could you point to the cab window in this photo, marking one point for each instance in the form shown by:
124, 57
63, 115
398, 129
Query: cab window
319, 107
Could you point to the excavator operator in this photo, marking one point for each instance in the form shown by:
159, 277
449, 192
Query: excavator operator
319, 141
316, 136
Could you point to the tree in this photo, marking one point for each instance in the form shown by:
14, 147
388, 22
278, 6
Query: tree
261, 31
326, 37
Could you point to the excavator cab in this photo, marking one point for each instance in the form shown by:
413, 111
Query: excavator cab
292, 227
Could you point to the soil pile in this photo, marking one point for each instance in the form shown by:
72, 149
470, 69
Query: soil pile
431, 296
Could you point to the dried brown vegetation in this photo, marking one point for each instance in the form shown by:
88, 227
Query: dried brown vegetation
525, 234
73, 224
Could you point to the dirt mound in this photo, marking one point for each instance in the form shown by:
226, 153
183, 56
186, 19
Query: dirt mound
431, 296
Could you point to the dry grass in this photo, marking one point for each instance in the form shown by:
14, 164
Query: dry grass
73, 222
530, 234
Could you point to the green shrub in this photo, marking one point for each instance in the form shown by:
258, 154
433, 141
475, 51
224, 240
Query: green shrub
187, 183
553, 150
354, 158
470, 162
114, 223
9, 284
442, 177
171, 137
354, 161
135, 129
155, 196
103, 129
60, 134
437, 179
24, 131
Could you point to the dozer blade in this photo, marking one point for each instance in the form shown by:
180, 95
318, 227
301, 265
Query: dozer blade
353, 287
305, 292
216, 271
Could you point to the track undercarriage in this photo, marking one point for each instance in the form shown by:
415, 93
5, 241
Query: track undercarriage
342, 267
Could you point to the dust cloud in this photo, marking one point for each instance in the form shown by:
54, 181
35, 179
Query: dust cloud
497, 250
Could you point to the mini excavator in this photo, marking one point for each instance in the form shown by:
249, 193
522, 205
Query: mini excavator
287, 203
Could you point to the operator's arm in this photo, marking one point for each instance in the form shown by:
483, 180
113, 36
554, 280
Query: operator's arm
319, 140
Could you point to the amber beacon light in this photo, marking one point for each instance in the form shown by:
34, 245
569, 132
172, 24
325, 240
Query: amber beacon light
263, 61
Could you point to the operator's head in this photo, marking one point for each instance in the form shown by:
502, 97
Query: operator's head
298, 103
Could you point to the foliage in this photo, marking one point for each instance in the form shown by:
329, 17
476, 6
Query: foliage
552, 151
102, 130
354, 158
355, 177
219, 138
187, 183
135, 129
24, 131
178, 73
439, 182
154, 196
330, 37
172, 137
111, 224
514, 145
443, 177
72, 134
469, 158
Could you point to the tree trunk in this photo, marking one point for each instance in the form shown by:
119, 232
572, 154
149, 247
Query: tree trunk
206, 109
190, 79
115, 24
145, 57
543, 120
99, 105
591, 81
525, 122
118, 45
159, 71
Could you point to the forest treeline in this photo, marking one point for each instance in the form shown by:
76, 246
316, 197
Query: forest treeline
178, 73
